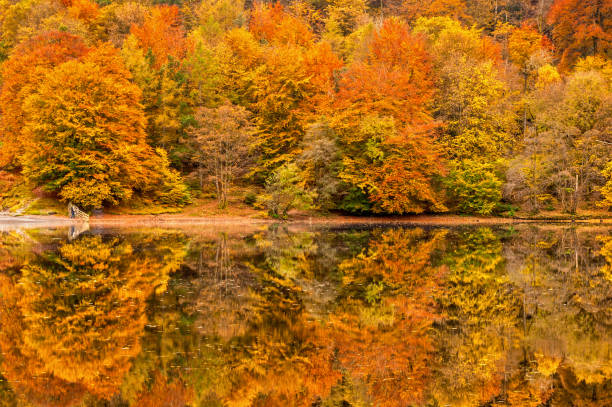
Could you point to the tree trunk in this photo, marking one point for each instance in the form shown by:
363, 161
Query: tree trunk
575, 200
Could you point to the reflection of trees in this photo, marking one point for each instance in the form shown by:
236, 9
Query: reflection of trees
283, 358
465, 317
480, 311
76, 315
20, 364
15, 248
166, 394
572, 391
382, 326
606, 253
566, 319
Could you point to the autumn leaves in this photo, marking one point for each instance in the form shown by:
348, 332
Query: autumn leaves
421, 111
75, 125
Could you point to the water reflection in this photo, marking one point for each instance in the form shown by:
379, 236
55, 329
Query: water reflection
280, 317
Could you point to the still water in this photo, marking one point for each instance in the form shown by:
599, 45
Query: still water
289, 316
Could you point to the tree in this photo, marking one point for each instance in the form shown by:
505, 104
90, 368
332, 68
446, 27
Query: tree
276, 92
394, 80
285, 191
154, 53
118, 20
22, 20
396, 169
223, 142
343, 16
475, 187
219, 16
384, 125
320, 161
581, 28
568, 146
411, 10
524, 45
471, 98
270, 23
86, 128
22, 74
166, 98
586, 108
162, 34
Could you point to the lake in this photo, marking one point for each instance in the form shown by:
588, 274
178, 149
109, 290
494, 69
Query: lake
288, 315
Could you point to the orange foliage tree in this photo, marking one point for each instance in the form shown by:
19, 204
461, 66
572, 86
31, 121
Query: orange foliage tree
271, 23
395, 79
581, 28
284, 76
85, 10
381, 113
22, 74
162, 34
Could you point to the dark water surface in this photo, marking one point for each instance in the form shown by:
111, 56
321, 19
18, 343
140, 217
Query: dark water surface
283, 316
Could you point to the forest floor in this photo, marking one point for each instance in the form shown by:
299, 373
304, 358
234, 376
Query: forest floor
39, 210
204, 212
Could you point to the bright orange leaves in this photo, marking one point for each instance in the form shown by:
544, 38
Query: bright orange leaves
395, 79
387, 343
269, 22
162, 34
382, 112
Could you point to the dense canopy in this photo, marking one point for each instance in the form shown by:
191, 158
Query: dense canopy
389, 107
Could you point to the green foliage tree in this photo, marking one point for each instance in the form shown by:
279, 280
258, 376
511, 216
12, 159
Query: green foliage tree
475, 187
285, 191
167, 104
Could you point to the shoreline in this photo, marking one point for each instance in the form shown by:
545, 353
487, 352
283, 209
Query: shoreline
174, 220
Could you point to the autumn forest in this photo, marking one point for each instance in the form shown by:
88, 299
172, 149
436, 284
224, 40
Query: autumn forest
354, 106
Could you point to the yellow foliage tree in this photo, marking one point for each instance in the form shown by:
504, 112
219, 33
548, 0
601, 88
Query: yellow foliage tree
85, 127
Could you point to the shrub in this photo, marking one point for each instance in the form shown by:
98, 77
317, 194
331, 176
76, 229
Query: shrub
285, 191
475, 187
